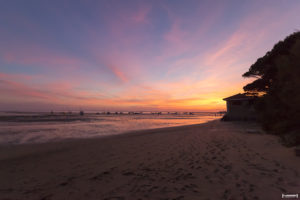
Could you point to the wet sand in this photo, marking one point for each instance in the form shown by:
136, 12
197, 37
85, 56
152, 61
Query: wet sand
216, 160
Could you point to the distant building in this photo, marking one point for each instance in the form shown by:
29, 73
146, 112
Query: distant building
240, 107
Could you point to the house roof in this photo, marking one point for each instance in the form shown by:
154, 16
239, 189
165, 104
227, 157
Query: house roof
239, 97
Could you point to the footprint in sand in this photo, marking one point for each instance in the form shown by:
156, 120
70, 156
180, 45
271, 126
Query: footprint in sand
100, 176
115, 198
226, 193
127, 173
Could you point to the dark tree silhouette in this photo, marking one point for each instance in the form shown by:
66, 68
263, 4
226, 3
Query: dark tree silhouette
278, 79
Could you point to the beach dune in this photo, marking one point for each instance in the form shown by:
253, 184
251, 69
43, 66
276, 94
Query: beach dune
215, 160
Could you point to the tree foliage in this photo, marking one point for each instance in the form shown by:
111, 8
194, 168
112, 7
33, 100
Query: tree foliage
278, 77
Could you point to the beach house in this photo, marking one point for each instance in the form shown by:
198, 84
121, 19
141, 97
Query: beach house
240, 107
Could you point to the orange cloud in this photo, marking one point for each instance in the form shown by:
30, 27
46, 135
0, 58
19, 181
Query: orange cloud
135, 97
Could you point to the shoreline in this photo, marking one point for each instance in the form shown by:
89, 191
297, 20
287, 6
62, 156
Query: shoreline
213, 160
74, 141
87, 137
15, 133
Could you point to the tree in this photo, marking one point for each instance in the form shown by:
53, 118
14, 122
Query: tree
278, 78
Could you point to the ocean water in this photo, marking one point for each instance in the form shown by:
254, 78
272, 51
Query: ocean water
39, 128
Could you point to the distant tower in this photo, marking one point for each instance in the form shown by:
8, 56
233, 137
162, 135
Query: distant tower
81, 113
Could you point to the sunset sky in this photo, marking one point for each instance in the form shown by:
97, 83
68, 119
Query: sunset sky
118, 55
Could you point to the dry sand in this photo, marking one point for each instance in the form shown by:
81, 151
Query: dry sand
216, 160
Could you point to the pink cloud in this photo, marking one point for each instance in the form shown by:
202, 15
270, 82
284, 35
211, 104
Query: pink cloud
20, 90
176, 33
62, 93
235, 54
6, 76
121, 26
41, 59
118, 73
180, 39
125, 65
140, 16
249, 39
233, 42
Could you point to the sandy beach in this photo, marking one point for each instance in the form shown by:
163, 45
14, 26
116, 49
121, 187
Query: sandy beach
215, 160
